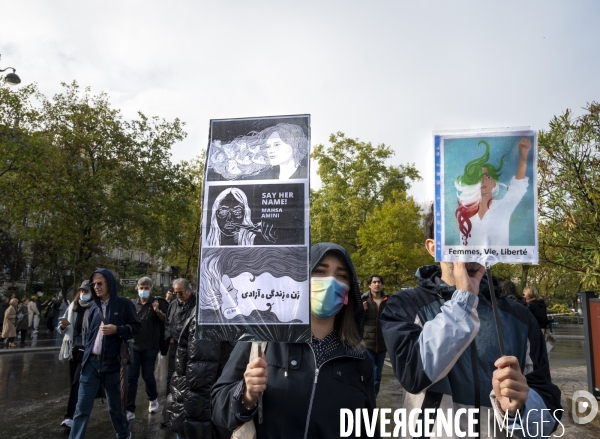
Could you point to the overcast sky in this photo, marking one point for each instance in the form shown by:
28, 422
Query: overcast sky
382, 71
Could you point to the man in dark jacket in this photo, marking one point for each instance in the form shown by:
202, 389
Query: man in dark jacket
179, 311
101, 358
374, 302
199, 364
444, 350
152, 312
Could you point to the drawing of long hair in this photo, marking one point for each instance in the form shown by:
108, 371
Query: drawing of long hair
468, 187
279, 262
246, 155
242, 236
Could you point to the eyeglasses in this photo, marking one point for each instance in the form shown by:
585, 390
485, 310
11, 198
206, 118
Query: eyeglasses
180, 292
96, 284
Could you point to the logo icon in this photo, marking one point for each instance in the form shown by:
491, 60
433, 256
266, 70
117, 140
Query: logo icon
580, 407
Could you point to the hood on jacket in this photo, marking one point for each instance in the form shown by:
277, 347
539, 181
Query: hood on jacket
317, 253
429, 277
112, 285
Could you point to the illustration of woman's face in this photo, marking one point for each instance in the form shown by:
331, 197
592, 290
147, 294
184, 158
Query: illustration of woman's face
278, 151
228, 296
487, 183
230, 215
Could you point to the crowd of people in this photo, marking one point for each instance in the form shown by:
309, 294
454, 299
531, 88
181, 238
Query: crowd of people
439, 337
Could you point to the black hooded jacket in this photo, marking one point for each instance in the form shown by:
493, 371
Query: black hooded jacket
300, 400
121, 313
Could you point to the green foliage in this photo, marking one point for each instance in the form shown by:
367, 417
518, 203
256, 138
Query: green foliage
81, 181
184, 249
569, 193
354, 181
362, 206
392, 243
558, 308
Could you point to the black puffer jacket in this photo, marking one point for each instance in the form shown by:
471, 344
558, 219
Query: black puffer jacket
301, 401
198, 366
373, 336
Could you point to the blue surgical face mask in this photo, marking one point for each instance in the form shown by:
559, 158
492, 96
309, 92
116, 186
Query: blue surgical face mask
327, 296
85, 297
144, 294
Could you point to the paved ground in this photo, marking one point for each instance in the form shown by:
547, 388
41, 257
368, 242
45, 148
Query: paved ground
34, 391
568, 371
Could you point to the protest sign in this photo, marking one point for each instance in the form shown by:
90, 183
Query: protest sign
254, 258
486, 196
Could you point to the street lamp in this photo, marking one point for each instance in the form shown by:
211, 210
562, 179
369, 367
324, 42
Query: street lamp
11, 78
123, 263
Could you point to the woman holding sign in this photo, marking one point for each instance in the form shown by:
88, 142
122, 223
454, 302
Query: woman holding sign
305, 385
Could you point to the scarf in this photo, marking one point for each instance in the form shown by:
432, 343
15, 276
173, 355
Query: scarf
66, 350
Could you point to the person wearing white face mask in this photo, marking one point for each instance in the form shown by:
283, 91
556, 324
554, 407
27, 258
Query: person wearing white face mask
146, 344
74, 324
304, 385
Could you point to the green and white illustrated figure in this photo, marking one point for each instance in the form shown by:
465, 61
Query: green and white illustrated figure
482, 219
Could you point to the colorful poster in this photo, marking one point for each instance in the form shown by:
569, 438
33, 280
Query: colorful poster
254, 257
486, 196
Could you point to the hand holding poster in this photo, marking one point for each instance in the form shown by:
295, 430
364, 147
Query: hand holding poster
486, 197
254, 271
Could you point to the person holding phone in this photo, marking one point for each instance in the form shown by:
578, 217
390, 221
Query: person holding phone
74, 325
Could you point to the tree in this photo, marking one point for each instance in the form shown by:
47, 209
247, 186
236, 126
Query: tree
354, 181
391, 242
12, 260
81, 181
184, 249
569, 193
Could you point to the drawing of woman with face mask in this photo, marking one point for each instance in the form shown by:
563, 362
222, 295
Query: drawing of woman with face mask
231, 222
282, 148
483, 219
219, 299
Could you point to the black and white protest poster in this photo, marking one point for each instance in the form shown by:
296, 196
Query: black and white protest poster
486, 196
253, 281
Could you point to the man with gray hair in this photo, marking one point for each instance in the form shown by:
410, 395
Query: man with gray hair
152, 312
179, 312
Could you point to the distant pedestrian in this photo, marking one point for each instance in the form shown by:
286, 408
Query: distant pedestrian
101, 362
9, 327
75, 328
62, 309
146, 344
169, 296
23, 319
34, 314
3, 307
374, 302
537, 306
52, 314
509, 289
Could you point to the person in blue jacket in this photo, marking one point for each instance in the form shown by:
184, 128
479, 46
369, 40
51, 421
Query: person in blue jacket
443, 345
101, 358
